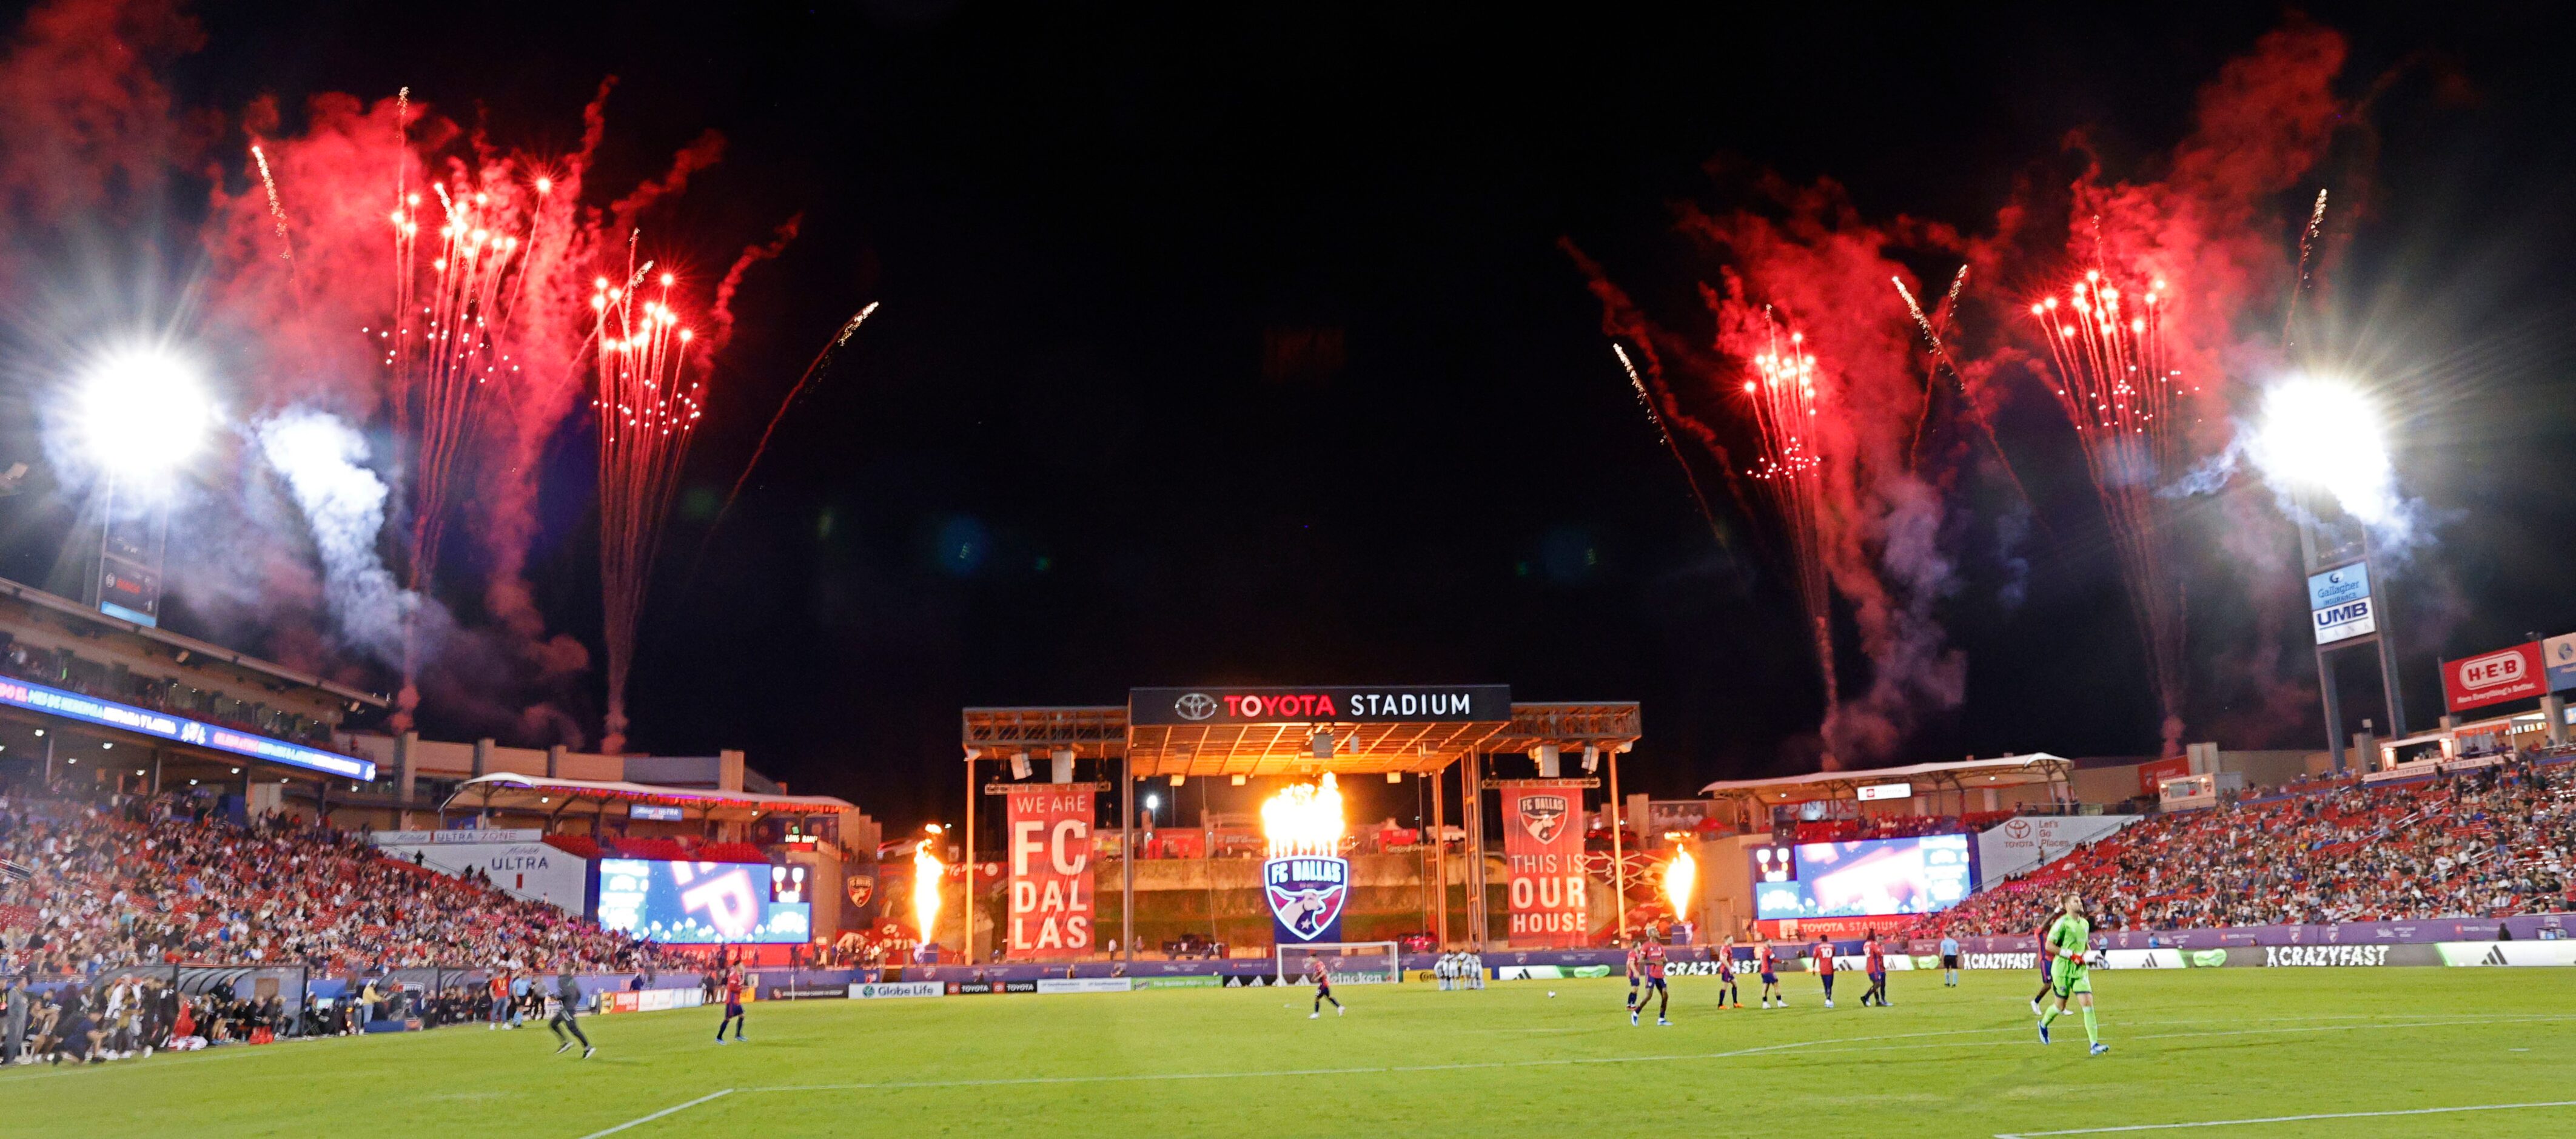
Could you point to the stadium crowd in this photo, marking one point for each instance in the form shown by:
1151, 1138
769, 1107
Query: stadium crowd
145, 882
2489, 843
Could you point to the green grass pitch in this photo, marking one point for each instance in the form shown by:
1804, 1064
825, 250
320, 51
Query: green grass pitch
2187, 1047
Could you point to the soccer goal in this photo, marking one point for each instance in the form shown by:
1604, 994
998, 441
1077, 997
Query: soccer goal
1346, 962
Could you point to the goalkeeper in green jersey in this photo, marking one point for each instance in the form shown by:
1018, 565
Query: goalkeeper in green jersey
2069, 941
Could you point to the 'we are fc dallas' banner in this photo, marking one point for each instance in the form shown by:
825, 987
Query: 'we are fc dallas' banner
1050, 850
1543, 842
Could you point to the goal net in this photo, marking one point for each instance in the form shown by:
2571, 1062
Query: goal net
1346, 962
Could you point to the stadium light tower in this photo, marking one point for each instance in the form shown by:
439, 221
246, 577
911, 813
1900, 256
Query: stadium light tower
2321, 442
142, 412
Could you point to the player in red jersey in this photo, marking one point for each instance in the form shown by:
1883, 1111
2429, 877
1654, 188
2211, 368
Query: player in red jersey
2047, 986
1636, 974
1650, 956
1726, 991
1323, 980
1876, 962
1769, 964
733, 1006
1824, 953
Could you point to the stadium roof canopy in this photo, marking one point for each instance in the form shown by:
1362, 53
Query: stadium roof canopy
1361, 744
1961, 775
539, 794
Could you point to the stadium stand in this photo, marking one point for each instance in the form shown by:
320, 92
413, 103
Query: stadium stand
2490, 843
144, 882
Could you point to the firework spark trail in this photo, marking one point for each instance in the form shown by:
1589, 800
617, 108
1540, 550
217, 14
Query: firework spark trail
811, 370
2299, 283
277, 210
1646, 400
454, 325
1941, 360
1787, 408
2118, 385
648, 407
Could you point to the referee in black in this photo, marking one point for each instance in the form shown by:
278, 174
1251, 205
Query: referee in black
567, 1000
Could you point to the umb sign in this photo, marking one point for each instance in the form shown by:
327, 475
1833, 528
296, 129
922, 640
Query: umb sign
1307, 894
2506, 674
2339, 603
1381, 703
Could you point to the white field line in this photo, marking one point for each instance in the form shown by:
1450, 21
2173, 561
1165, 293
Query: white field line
673, 1109
2289, 1119
1876, 1044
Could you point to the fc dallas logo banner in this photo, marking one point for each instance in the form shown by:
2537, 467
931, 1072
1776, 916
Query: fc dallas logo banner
1543, 842
1050, 847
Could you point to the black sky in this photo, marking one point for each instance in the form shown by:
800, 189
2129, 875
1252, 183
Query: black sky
1067, 456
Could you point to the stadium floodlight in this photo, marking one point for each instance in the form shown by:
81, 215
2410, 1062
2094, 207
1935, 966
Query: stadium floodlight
2323, 435
142, 411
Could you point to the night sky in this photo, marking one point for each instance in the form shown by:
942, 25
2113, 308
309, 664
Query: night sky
1223, 346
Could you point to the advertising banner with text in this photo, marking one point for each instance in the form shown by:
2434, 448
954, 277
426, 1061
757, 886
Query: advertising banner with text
2505, 674
1543, 842
1049, 840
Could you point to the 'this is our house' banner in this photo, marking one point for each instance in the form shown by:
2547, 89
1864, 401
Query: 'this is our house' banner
1543, 842
1051, 912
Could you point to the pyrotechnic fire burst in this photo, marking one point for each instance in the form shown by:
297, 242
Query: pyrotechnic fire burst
1304, 819
2118, 385
927, 872
648, 409
1788, 408
1681, 883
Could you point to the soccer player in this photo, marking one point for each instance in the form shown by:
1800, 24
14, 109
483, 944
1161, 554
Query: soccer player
499, 990
1949, 962
1323, 988
2069, 942
1651, 956
2046, 984
568, 1003
733, 1006
1769, 963
1824, 952
1877, 967
1476, 971
1636, 974
1726, 991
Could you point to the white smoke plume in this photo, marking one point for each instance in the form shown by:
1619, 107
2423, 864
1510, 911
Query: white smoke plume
323, 461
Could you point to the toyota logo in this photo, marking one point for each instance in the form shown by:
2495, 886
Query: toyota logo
1195, 706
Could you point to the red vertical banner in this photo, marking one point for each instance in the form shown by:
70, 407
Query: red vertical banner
1049, 840
1543, 842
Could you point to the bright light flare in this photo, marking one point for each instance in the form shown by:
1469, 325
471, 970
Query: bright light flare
1304, 819
1681, 883
143, 411
927, 871
2324, 435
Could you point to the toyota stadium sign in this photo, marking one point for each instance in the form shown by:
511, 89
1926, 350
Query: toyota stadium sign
1390, 703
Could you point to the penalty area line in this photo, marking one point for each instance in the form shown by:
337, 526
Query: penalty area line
2290, 1119
671, 1110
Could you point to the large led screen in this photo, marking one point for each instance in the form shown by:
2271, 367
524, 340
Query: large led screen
1864, 879
698, 903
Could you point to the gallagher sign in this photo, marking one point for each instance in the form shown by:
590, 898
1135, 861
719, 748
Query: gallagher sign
1307, 894
1402, 703
2506, 674
2339, 603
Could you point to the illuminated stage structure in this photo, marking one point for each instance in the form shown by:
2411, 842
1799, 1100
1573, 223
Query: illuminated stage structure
1450, 739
